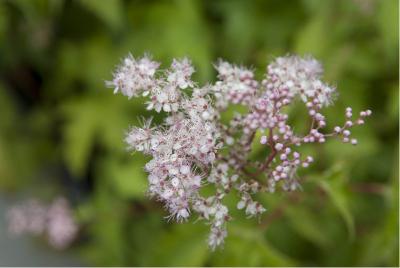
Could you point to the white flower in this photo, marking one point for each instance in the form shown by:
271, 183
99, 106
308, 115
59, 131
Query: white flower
185, 169
140, 139
221, 212
134, 76
302, 77
254, 208
217, 237
236, 85
181, 71
241, 204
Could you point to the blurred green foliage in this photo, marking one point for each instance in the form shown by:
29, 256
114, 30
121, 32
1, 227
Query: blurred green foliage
61, 131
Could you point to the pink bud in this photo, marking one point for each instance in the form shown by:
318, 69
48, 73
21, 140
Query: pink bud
349, 123
360, 122
278, 146
263, 140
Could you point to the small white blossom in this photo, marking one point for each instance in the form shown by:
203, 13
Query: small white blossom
181, 71
236, 85
216, 237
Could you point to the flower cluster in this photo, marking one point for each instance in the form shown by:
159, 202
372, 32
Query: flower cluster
236, 85
54, 221
135, 76
193, 149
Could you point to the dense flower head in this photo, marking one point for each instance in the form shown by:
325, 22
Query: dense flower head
134, 76
236, 85
301, 76
193, 148
180, 73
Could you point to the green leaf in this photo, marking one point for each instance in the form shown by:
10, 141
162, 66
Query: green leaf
334, 184
313, 38
110, 11
388, 16
183, 245
79, 133
173, 30
381, 246
306, 224
127, 177
91, 119
107, 229
392, 106
247, 247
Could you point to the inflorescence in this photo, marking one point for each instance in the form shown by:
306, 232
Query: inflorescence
194, 148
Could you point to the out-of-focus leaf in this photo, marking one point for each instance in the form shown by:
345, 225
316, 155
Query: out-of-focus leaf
107, 227
89, 120
96, 52
334, 185
38, 7
128, 178
313, 38
145, 231
175, 28
388, 16
100, 55
16, 145
306, 224
109, 11
381, 245
247, 247
240, 25
79, 132
393, 103
183, 245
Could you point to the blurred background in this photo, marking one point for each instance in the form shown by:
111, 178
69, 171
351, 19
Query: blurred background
61, 130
